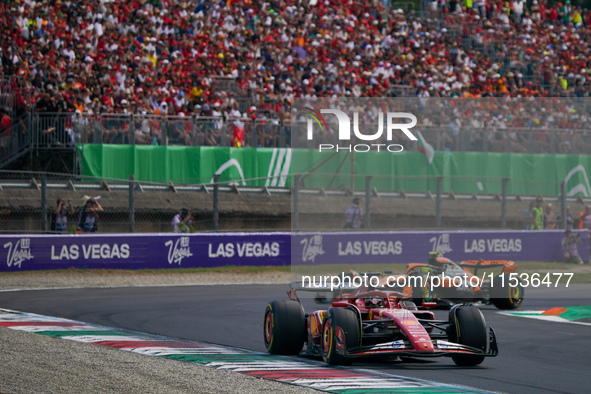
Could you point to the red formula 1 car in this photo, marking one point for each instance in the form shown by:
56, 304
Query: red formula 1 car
503, 290
370, 322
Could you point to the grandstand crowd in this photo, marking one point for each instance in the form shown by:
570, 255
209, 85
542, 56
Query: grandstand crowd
163, 56
160, 56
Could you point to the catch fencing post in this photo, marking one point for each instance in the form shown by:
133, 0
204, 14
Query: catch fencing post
163, 131
131, 131
216, 212
194, 134
44, 203
282, 135
254, 135
224, 137
367, 201
438, 203
294, 198
131, 204
504, 203
563, 204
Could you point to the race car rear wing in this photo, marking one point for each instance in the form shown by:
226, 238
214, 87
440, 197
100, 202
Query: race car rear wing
508, 265
297, 286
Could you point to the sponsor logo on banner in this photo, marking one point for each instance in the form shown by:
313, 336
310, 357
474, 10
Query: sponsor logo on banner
312, 248
370, 248
231, 163
441, 244
18, 253
279, 167
492, 245
178, 250
90, 252
244, 249
277, 175
582, 187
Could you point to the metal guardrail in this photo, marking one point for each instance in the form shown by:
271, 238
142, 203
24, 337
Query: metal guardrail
50, 130
34, 212
477, 139
74, 185
66, 130
34, 183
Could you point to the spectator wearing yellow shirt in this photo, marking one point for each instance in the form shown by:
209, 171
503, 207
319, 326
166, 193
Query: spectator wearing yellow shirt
577, 18
195, 93
538, 215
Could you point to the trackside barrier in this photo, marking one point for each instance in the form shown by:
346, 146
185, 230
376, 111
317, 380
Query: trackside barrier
154, 251
413, 247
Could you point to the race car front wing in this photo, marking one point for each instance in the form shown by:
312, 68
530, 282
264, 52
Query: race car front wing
442, 348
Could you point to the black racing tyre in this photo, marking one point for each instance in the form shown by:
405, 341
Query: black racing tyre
507, 296
348, 322
284, 327
469, 328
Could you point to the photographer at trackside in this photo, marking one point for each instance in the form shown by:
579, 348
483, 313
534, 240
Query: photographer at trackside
88, 216
59, 217
569, 247
181, 222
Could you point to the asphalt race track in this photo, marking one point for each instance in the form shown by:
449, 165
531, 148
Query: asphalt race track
534, 356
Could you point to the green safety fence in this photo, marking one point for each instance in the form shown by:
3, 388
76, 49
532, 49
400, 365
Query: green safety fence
463, 172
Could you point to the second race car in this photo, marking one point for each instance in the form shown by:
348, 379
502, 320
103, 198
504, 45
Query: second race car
436, 282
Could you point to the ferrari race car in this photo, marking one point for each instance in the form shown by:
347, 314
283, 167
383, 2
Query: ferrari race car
437, 279
370, 323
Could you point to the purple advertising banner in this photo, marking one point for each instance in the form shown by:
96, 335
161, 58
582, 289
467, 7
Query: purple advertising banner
140, 251
409, 247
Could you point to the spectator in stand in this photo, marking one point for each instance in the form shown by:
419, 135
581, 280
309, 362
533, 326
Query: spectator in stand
564, 12
518, 10
149, 53
577, 18
479, 8
5, 132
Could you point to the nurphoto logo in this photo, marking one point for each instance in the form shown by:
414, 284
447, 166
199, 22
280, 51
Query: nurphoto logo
344, 130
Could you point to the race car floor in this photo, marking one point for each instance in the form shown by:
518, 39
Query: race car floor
535, 356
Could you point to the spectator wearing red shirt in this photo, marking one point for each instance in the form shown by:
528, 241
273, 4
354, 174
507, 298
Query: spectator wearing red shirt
5, 131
